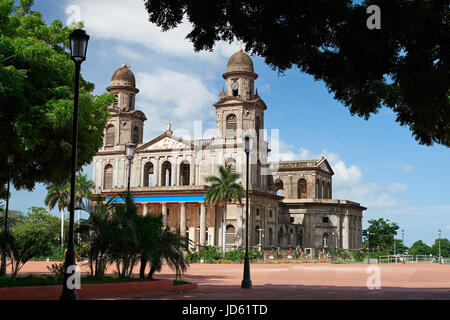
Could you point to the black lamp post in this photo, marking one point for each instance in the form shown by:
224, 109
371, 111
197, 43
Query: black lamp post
78, 47
403, 245
246, 282
130, 148
333, 233
440, 259
5, 230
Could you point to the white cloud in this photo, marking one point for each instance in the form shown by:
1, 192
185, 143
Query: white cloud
404, 167
127, 22
170, 95
128, 53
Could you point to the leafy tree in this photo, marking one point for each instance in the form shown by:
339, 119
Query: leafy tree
445, 247
380, 234
36, 99
420, 248
36, 236
224, 189
58, 194
14, 218
402, 66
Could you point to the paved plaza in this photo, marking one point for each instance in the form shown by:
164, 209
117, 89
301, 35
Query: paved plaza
303, 281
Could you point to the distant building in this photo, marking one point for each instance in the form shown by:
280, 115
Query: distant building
290, 202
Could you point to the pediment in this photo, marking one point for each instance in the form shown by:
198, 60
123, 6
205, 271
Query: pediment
325, 166
165, 142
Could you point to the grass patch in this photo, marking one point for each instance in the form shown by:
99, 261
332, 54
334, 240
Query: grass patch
178, 282
48, 280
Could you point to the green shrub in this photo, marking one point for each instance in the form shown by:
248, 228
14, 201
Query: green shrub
358, 255
235, 255
211, 253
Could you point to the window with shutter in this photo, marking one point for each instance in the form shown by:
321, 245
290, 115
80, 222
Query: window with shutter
108, 178
110, 135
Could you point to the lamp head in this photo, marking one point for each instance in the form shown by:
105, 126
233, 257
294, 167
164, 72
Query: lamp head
247, 143
78, 45
130, 148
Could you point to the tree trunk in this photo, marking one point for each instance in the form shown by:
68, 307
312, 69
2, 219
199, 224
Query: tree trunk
151, 272
142, 268
62, 228
224, 229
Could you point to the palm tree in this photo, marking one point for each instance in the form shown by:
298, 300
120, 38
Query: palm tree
58, 193
83, 188
99, 230
224, 189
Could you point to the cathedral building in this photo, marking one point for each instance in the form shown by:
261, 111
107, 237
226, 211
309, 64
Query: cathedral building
290, 202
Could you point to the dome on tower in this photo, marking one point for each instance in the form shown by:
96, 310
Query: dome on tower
123, 77
240, 61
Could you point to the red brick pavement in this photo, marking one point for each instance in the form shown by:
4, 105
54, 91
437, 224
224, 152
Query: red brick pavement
303, 281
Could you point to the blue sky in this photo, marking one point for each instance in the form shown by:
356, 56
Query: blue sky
377, 163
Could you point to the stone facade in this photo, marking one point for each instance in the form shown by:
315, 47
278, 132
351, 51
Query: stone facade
290, 203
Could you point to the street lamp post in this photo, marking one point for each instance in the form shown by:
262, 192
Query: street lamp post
262, 244
403, 245
333, 233
129, 152
368, 247
440, 259
246, 282
5, 230
78, 47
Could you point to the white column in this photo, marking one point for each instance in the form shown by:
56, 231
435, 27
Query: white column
164, 213
202, 224
157, 172
145, 211
191, 171
192, 243
345, 233
239, 227
183, 219
175, 172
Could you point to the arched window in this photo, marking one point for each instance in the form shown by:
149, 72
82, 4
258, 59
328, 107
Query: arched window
184, 173
116, 101
270, 183
301, 189
149, 175
325, 240
135, 136
257, 235
231, 235
231, 125
131, 102
279, 187
270, 237
110, 135
166, 174
235, 88
108, 177
231, 162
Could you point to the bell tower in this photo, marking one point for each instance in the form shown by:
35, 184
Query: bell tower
125, 123
239, 109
